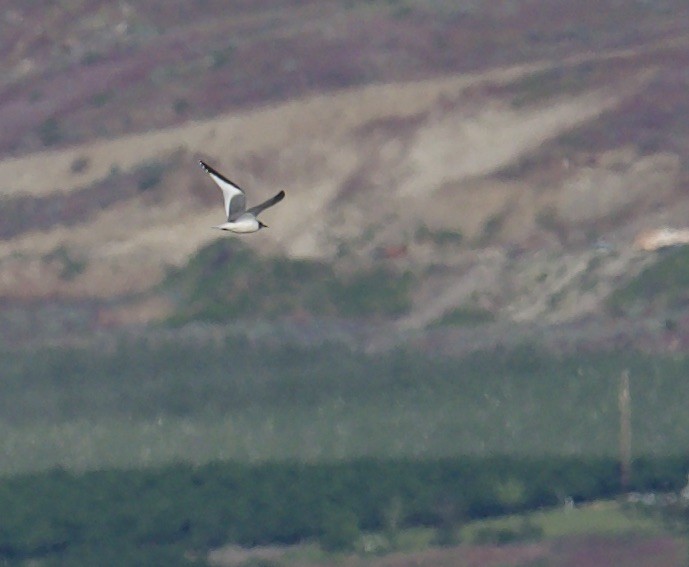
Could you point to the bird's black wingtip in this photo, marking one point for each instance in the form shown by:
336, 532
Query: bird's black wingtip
216, 174
212, 171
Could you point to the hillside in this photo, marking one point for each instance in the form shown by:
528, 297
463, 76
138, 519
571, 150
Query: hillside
505, 162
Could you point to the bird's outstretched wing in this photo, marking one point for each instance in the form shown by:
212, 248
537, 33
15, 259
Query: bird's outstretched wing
235, 200
269, 203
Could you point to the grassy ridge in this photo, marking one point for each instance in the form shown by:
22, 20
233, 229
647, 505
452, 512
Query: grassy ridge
226, 280
144, 403
662, 286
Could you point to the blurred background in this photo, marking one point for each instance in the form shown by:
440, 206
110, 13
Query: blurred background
462, 341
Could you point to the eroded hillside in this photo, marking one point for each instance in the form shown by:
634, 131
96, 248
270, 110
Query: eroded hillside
513, 191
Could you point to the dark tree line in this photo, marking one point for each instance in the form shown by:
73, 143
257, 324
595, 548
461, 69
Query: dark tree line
168, 513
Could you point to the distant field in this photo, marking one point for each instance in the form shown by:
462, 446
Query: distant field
601, 518
138, 404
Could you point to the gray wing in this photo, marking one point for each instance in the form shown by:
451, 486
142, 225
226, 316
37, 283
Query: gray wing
269, 203
235, 201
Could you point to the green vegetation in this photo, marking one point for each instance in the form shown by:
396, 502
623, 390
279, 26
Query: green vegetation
663, 285
535, 88
401, 8
226, 280
165, 516
340, 529
181, 105
547, 218
101, 98
70, 266
150, 175
80, 164
604, 517
285, 444
146, 402
465, 316
50, 132
492, 228
92, 57
524, 530
440, 237
182, 510
221, 57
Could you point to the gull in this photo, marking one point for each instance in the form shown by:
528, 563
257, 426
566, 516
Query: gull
239, 218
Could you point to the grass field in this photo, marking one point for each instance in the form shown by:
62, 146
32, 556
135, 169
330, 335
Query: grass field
149, 403
602, 518
597, 533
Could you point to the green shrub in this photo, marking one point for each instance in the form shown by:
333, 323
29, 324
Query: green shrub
466, 316
525, 531
222, 57
663, 285
181, 105
340, 530
440, 237
50, 132
80, 164
548, 83
150, 175
226, 280
70, 266
102, 98
492, 227
170, 515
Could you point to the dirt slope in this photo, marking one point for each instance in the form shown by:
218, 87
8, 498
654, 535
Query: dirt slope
310, 147
493, 187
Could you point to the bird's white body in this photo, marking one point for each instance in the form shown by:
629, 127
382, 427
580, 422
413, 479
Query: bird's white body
245, 223
239, 219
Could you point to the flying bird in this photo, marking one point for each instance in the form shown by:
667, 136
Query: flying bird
239, 218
